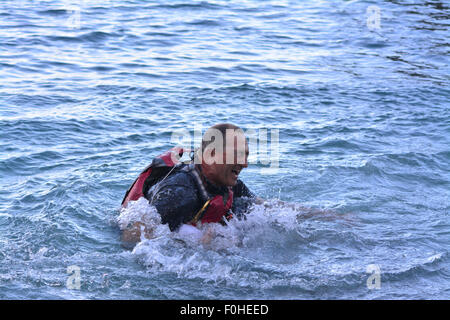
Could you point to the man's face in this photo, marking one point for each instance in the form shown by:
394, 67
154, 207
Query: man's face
234, 157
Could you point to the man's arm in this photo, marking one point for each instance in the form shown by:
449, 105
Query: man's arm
244, 198
306, 211
175, 200
176, 204
241, 190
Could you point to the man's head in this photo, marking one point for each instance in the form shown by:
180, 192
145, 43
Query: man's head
224, 153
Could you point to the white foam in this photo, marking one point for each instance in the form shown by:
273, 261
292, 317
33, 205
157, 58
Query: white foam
211, 252
138, 211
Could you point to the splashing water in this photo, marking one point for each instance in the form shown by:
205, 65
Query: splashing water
243, 252
363, 116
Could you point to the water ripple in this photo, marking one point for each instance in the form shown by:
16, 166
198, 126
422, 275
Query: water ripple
363, 119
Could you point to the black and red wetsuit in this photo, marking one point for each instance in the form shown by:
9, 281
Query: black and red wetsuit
178, 197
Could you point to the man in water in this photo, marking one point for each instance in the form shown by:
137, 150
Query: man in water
206, 191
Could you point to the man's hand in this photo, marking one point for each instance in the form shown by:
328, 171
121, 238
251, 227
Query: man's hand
292, 205
134, 233
207, 236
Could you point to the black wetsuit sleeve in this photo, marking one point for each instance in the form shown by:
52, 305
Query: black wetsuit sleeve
241, 190
243, 199
177, 204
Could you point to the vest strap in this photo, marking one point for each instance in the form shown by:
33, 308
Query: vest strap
191, 168
199, 213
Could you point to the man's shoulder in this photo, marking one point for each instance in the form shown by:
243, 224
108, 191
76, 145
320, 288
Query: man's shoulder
179, 181
181, 177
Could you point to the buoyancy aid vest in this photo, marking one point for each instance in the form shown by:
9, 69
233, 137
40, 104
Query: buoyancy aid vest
160, 167
215, 209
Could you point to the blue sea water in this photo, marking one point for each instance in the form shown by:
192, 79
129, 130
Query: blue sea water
359, 92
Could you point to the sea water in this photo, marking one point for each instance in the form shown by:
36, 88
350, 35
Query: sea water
357, 95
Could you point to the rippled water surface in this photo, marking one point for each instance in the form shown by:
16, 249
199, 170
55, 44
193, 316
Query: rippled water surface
91, 90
